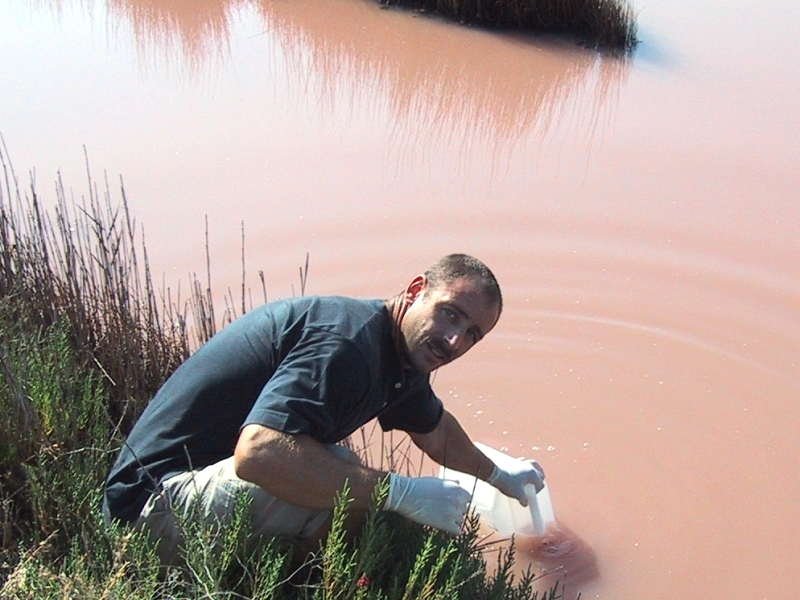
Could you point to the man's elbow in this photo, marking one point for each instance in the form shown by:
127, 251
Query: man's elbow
253, 454
243, 460
431, 445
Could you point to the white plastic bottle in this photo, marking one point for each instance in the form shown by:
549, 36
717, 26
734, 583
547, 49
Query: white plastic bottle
503, 514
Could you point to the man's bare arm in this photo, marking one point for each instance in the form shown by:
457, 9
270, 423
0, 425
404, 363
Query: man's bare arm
300, 470
449, 445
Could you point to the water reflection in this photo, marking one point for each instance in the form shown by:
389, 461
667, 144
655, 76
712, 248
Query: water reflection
195, 32
441, 79
441, 83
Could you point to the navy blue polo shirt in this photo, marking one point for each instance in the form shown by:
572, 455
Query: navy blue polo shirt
321, 366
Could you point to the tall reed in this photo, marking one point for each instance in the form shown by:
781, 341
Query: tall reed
80, 267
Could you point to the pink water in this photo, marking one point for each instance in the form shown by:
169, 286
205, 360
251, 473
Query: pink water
643, 218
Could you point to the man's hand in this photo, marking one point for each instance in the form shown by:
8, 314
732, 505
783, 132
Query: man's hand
428, 500
515, 476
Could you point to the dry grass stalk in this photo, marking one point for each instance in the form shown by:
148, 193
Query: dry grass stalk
81, 268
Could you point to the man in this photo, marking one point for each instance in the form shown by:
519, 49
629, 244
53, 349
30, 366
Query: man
261, 405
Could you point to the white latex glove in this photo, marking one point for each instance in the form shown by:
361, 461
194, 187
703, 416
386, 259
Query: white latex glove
440, 503
512, 479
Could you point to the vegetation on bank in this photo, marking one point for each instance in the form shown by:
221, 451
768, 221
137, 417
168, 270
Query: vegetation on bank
85, 340
604, 24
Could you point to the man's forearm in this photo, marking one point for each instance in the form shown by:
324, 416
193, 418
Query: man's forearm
300, 470
450, 446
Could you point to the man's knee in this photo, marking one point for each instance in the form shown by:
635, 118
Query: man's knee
209, 495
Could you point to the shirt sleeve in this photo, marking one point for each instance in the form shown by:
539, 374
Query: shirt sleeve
313, 387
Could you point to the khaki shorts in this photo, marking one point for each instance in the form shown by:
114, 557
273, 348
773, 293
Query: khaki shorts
209, 494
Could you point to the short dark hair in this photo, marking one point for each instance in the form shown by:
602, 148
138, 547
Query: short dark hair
459, 266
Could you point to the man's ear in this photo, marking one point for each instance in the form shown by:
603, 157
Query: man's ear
415, 288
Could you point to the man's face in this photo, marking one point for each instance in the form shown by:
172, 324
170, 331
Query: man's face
442, 323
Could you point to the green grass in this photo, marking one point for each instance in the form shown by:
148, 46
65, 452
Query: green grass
84, 343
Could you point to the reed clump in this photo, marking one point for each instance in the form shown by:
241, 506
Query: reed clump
603, 24
83, 346
85, 340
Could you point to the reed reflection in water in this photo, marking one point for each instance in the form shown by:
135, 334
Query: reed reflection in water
188, 34
442, 83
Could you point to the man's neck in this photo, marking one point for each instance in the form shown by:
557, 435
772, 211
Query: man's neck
397, 309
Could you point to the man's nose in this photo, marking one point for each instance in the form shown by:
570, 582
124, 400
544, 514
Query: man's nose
453, 339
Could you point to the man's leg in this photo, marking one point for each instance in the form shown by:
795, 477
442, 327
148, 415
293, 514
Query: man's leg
209, 494
354, 520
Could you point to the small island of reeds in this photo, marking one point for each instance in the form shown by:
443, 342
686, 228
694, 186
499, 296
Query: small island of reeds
603, 24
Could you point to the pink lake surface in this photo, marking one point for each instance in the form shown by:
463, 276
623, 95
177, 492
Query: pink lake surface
643, 217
